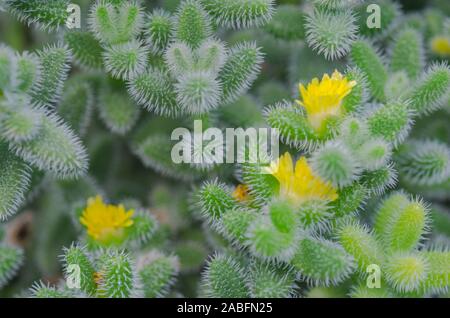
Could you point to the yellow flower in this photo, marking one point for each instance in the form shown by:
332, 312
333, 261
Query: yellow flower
300, 184
241, 193
322, 99
441, 45
105, 223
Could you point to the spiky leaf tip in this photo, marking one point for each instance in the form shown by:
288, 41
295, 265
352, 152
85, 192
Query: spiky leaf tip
379, 181
359, 94
361, 243
55, 68
431, 90
46, 14
157, 273
14, 183
368, 59
392, 122
192, 23
115, 23
406, 272
11, 259
268, 242
42, 290
314, 215
374, 154
86, 50
19, 122
271, 281
127, 60
350, 200
334, 162
77, 256
401, 222
179, 58
116, 275
154, 90
240, 70
407, 53
287, 23
293, 126
235, 223
214, 199
117, 111
211, 56
423, 162
198, 92
158, 30
55, 149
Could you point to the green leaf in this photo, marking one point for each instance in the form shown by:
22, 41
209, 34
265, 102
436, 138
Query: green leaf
406, 272
224, 278
46, 14
423, 163
287, 23
431, 90
158, 30
116, 275
192, 23
116, 23
361, 243
76, 256
408, 53
155, 91
77, 103
19, 122
240, 70
391, 122
126, 60
368, 60
117, 111
271, 281
86, 50
331, 33
11, 259
239, 14
401, 222
55, 68
157, 273
322, 262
